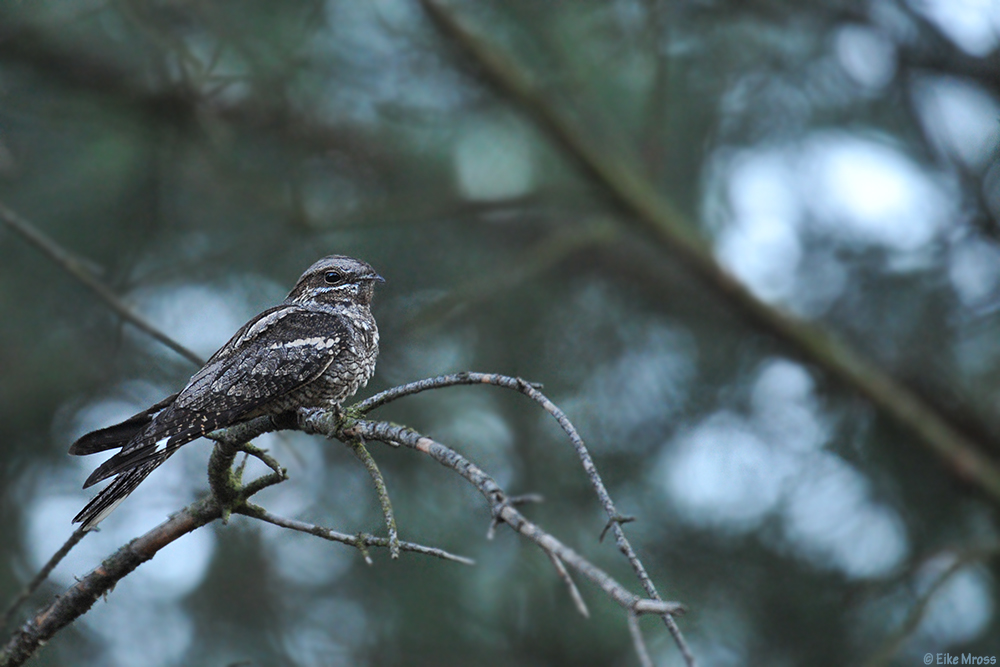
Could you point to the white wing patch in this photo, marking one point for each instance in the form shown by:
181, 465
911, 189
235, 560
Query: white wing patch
319, 342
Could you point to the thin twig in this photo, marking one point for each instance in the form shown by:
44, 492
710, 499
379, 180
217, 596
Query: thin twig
615, 519
574, 592
77, 268
499, 506
356, 541
514, 501
43, 574
360, 451
251, 449
638, 641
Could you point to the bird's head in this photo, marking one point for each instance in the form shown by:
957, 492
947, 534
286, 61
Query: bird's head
334, 279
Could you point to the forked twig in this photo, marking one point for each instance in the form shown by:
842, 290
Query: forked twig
499, 504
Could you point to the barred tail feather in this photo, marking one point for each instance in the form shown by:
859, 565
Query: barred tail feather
109, 498
122, 462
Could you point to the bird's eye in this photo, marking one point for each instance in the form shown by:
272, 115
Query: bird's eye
333, 277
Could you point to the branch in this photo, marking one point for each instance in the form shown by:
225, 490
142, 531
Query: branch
80, 597
615, 519
574, 592
332, 425
43, 574
638, 642
80, 270
657, 219
230, 495
326, 423
361, 541
361, 452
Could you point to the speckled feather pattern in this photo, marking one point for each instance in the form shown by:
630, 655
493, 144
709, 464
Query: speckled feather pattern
315, 349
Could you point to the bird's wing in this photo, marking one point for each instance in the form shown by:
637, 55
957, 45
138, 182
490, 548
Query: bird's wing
281, 350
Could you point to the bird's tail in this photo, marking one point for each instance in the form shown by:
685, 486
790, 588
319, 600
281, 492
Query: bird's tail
119, 435
109, 498
129, 466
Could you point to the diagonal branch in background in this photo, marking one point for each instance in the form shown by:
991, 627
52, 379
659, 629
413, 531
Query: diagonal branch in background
656, 218
887, 653
544, 254
78, 268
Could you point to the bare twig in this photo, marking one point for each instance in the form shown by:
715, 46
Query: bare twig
574, 592
43, 574
77, 268
514, 501
655, 217
638, 641
360, 541
615, 519
262, 456
360, 451
499, 506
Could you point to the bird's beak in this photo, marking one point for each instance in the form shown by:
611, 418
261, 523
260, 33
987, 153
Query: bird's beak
376, 277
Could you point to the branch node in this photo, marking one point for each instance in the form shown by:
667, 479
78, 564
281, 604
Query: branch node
620, 519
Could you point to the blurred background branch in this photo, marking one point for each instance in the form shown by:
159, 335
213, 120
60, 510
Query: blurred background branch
663, 224
84, 272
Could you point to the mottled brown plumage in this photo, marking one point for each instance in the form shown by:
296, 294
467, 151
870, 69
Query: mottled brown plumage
315, 349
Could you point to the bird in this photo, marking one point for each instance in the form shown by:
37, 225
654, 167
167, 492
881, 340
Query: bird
313, 350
